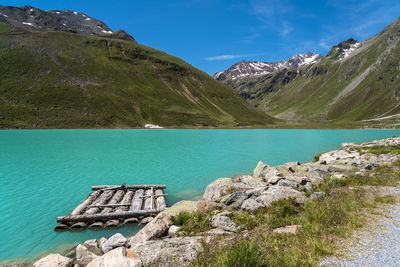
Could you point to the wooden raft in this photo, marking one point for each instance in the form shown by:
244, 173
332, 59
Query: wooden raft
115, 205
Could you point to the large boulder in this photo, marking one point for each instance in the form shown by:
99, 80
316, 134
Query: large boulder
183, 205
119, 257
53, 260
157, 227
277, 192
223, 222
175, 251
84, 255
113, 242
218, 188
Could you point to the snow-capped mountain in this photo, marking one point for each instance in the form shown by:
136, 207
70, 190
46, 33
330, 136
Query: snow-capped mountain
34, 19
254, 68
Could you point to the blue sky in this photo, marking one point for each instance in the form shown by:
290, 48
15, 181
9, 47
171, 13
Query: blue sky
213, 35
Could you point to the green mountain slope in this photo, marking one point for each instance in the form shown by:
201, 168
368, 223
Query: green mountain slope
57, 79
362, 85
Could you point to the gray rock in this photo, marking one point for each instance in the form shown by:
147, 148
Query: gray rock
277, 192
223, 222
261, 166
354, 162
113, 242
236, 199
173, 230
288, 229
218, 188
308, 186
175, 251
146, 220
317, 195
53, 260
251, 204
288, 183
84, 255
119, 257
157, 227
101, 242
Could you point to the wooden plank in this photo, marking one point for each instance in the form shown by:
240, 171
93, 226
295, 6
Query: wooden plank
160, 200
82, 207
103, 198
137, 200
124, 205
107, 216
115, 199
114, 187
126, 202
148, 201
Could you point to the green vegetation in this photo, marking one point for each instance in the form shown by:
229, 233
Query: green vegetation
394, 149
342, 209
316, 156
66, 80
194, 222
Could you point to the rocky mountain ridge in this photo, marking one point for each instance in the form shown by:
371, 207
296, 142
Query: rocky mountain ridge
356, 83
34, 19
255, 68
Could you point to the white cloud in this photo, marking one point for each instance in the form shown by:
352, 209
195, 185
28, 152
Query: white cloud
224, 57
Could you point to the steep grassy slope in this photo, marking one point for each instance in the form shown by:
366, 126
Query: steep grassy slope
362, 86
66, 80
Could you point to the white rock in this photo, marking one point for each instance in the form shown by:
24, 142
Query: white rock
173, 230
119, 257
113, 242
83, 255
53, 260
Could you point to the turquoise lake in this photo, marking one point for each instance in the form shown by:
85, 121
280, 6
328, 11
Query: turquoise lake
46, 173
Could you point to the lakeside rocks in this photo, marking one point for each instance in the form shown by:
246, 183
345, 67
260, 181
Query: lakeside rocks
175, 251
119, 257
159, 243
54, 260
113, 242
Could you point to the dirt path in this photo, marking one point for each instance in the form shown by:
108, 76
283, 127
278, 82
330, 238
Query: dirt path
379, 245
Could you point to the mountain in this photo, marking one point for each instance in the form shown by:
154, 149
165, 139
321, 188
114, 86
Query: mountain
354, 82
254, 68
64, 69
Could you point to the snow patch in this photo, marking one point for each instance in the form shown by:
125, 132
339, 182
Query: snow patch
109, 32
31, 10
27, 23
58, 12
347, 52
87, 19
76, 13
4, 15
152, 126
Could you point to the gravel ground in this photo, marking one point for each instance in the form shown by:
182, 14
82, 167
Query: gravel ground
377, 246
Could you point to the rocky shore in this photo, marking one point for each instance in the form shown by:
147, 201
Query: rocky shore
161, 243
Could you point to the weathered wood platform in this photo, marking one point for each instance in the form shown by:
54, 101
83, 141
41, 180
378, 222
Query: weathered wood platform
115, 205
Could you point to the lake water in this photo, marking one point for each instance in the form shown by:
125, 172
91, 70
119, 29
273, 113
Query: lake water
46, 173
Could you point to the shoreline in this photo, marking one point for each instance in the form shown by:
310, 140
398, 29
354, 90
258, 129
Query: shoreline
214, 191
